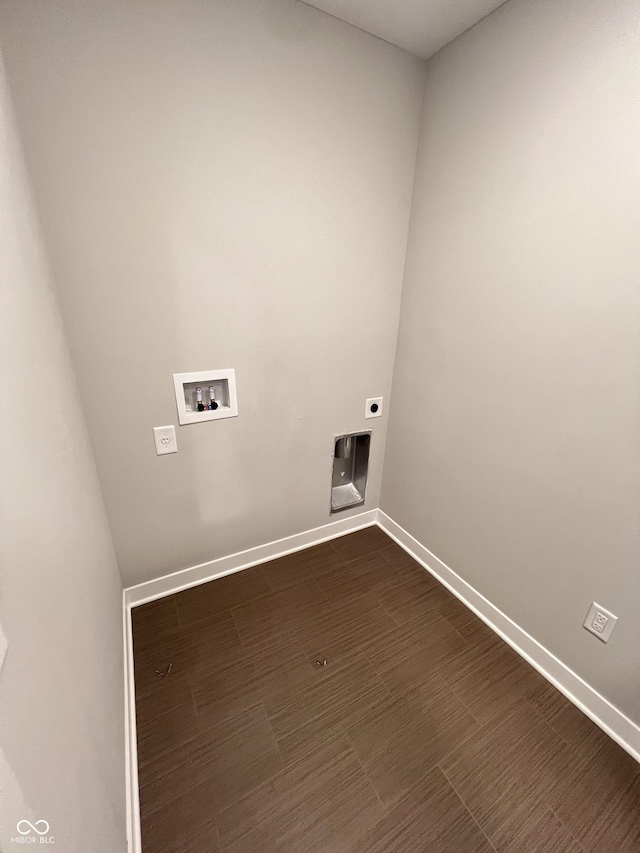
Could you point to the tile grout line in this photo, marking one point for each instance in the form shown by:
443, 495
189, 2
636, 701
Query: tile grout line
320, 590
216, 613
569, 746
340, 728
175, 604
373, 787
459, 698
377, 675
299, 761
268, 781
441, 673
553, 812
263, 575
548, 723
235, 625
472, 733
193, 702
387, 611
275, 739
468, 810
294, 631
380, 678
218, 834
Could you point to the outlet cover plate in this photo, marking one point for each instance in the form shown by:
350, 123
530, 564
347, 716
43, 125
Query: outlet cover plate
165, 439
373, 407
600, 622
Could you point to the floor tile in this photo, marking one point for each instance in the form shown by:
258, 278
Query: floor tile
176, 829
361, 542
468, 625
512, 763
405, 655
431, 819
301, 565
258, 620
489, 680
183, 648
224, 687
320, 805
151, 620
231, 759
403, 738
155, 627
358, 577
574, 727
165, 721
413, 598
344, 628
305, 716
409, 569
601, 805
424, 732
206, 600
217, 767
534, 828
279, 662
225, 683
199, 830
204, 641
397, 556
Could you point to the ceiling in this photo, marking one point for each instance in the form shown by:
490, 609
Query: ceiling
419, 26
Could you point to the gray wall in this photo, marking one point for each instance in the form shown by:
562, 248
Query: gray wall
513, 449
61, 685
221, 184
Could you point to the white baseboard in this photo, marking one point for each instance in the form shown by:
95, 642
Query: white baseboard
605, 715
177, 581
134, 839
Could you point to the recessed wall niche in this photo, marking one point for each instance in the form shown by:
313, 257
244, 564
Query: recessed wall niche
206, 395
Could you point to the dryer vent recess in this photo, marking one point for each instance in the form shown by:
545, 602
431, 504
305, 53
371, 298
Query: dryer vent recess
350, 469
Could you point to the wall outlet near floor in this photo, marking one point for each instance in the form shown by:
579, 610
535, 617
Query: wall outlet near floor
600, 622
373, 407
165, 439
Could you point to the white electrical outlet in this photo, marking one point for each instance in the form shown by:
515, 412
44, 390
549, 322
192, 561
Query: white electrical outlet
165, 439
373, 407
600, 622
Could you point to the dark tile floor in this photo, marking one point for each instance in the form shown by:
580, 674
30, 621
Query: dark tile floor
422, 733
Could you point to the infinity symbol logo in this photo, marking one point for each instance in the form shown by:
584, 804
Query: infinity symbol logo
34, 827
